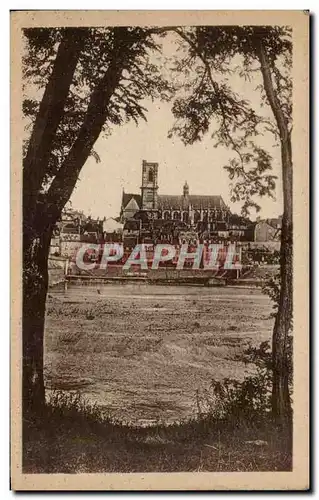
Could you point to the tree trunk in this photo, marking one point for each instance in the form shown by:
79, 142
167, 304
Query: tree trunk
50, 114
35, 285
92, 126
41, 211
37, 228
281, 404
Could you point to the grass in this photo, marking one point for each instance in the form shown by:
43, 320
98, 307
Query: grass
74, 437
143, 354
143, 350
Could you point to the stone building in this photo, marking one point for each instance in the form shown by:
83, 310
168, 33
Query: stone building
208, 211
267, 230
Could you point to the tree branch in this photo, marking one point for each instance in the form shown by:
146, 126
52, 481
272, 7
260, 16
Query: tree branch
269, 89
50, 113
214, 85
96, 116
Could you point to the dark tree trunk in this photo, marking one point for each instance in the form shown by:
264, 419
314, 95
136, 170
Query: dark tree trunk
37, 226
41, 211
95, 118
50, 113
281, 404
35, 285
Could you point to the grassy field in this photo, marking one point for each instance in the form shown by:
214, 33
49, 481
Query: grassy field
148, 353
144, 356
72, 441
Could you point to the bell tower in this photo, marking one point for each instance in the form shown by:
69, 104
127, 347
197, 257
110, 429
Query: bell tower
149, 185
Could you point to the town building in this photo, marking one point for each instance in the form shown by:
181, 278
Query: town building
177, 218
151, 218
72, 231
185, 207
268, 230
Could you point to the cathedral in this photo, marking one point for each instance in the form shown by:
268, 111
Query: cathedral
206, 211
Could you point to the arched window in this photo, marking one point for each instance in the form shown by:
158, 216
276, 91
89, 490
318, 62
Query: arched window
196, 217
167, 215
211, 216
185, 217
177, 216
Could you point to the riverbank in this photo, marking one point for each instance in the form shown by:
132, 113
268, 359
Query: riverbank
128, 374
254, 276
71, 440
146, 352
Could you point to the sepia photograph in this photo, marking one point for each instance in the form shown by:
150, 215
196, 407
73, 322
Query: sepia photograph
160, 284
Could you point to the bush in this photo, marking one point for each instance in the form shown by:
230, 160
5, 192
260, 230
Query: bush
272, 288
72, 406
249, 399
235, 400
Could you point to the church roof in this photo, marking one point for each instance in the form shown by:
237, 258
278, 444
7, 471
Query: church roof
132, 205
126, 198
175, 202
275, 222
197, 201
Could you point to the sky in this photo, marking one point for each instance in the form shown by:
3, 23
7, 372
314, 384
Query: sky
99, 189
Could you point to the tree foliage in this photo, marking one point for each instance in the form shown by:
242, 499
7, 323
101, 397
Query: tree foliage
141, 79
211, 106
79, 83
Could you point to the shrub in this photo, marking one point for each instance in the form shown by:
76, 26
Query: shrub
272, 288
232, 399
89, 316
249, 399
73, 406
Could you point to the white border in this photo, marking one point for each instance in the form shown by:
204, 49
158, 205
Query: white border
5, 188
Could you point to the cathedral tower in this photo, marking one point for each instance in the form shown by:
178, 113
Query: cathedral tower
149, 185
